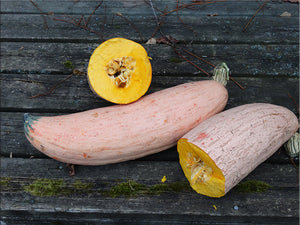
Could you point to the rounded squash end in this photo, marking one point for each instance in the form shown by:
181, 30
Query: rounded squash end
28, 121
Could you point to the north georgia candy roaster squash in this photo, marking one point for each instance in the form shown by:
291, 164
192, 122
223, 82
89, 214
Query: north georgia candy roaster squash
124, 132
217, 154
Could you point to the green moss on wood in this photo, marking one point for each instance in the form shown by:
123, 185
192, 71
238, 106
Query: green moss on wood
69, 64
47, 187
252, 186
4, 181
131, 189
54, 187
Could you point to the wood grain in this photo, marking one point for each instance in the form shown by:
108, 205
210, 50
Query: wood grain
264, 59
169, 203
242, 59
75, 95
221, 22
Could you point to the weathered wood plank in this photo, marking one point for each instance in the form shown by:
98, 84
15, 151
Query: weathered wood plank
204, 29
22, 172
264, 59
21, 20
245, 7
50, 218
249, 60
26, 170
75, 95
14, 143
283, 205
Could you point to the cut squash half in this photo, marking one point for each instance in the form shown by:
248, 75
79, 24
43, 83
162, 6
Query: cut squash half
221, 151
120, 71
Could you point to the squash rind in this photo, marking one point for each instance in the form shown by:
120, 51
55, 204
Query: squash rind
124, 132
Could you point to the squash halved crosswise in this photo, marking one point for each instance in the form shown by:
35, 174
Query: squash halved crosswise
120, 71
201, 171
221, 151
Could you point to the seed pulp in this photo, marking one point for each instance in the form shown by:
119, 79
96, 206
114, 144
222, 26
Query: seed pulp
120, 70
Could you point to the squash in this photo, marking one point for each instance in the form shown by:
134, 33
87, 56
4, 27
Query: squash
119, 71
124, 132
217, 154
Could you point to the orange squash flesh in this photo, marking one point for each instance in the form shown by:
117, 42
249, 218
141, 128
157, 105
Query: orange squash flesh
203, 174
119, 71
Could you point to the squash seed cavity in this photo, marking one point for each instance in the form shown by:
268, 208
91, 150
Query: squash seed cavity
120, 70
200, 172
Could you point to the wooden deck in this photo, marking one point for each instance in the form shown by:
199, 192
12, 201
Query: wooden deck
262, 56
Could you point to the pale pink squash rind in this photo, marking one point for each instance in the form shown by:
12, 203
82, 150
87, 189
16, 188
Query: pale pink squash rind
241, 138
125, 132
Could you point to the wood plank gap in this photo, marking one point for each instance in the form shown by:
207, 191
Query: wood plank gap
38, 110
21, 217
181, 43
